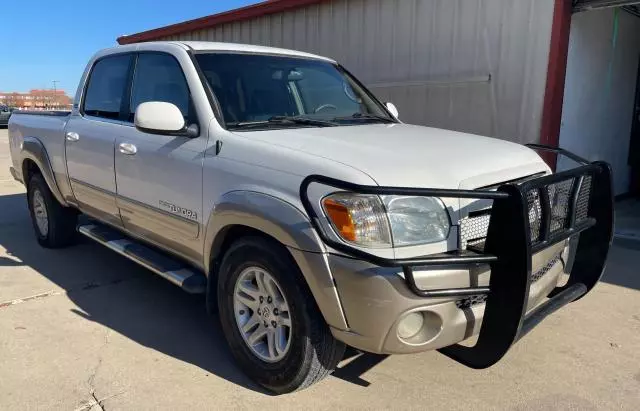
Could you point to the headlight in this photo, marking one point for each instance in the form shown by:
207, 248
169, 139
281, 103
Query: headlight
416, 220
358, 219
382, 222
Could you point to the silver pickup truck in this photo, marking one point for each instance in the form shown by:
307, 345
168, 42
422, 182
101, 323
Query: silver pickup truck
276, 183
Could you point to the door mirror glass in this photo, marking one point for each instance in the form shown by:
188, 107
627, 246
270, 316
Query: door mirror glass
392, 109
159, 117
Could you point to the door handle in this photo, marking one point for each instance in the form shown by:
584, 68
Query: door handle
127, 149
71, 136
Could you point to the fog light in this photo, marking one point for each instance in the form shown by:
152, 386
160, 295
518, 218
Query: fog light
410, 325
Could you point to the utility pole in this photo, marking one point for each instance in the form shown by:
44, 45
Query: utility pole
55, 93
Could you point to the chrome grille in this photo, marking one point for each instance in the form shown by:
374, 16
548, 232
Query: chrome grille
473, 230
559, 198
535, 214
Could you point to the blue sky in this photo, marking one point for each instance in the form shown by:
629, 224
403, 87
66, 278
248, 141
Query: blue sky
48, 40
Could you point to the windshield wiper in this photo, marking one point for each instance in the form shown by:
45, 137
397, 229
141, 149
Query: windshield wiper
280, 120
302, 120
363, 116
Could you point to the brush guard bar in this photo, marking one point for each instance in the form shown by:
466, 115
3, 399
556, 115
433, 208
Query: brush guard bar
512, 239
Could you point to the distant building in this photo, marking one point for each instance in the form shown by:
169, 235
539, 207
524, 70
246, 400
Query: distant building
37, 100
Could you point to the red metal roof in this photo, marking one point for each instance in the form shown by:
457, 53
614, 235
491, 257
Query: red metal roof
244, 13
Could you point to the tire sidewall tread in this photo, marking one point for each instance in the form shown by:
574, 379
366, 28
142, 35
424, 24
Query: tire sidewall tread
62, 220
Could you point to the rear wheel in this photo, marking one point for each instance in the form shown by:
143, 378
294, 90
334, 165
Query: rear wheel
270, 320
54, 225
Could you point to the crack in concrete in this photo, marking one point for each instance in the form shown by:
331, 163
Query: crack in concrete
97, 401
92, 376
83, 287
33, 297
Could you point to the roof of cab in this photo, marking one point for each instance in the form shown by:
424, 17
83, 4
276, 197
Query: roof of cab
246, 48
204, 46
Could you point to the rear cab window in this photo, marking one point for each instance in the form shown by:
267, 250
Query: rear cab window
106, 87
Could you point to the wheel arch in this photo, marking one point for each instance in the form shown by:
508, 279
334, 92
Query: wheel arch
261, 214
35, 159
247, 213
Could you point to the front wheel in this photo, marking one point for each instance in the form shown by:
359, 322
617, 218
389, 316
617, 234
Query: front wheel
270, 320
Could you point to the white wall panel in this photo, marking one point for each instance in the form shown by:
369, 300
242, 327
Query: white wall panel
604, 50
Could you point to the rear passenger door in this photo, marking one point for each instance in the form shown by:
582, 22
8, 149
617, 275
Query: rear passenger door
160, 182
90, 137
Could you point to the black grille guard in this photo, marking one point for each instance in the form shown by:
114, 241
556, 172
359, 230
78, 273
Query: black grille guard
508, 249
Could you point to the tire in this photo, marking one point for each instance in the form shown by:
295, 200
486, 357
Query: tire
60, 228
312, 351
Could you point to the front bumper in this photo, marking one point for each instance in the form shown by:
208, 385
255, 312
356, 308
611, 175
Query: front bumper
377, 293
375, 299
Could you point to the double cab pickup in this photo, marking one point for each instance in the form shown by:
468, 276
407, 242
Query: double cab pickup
312, 218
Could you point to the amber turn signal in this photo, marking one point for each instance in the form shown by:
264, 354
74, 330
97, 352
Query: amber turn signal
341, 219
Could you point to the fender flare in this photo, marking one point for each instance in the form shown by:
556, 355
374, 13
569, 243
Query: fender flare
288, 225
34, 150
268, 214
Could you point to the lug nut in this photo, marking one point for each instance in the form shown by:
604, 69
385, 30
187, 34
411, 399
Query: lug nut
275, 311
269, 299
265, 324
259, 313
241, 312
261, 299
274, 324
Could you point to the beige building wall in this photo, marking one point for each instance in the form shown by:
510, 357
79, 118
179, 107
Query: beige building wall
477, 66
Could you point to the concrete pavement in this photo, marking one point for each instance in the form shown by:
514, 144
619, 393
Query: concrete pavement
83, 328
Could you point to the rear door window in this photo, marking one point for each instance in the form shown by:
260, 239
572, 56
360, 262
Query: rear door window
106, 87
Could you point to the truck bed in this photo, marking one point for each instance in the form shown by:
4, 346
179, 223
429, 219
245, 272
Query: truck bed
47, 127
54, 113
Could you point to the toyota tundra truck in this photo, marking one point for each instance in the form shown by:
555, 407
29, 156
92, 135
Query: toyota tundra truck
312, 218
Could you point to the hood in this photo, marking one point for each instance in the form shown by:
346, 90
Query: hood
404, 155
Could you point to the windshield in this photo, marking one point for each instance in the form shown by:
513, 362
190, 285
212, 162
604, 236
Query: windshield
280, 91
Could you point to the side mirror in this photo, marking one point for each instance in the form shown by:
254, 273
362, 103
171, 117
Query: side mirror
392, 109
158, 117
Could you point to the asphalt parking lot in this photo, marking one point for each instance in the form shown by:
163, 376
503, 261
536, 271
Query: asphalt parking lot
83, 328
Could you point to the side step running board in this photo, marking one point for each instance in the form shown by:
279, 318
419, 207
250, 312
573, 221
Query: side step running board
173, 270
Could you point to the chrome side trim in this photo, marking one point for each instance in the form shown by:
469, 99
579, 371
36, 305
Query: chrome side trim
156, 210
96, 201
92, 187
155, 219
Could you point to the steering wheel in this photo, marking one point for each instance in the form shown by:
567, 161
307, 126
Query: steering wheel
324, 107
